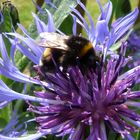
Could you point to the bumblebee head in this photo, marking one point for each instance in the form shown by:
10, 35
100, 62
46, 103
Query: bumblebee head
80, 46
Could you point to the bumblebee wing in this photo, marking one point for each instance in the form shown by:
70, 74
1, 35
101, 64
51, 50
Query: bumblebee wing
53, 40
52, 36
53, 45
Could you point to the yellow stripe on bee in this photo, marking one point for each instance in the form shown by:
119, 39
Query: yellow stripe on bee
85, 49
46, 53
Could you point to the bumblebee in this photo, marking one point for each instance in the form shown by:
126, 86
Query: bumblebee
66, 51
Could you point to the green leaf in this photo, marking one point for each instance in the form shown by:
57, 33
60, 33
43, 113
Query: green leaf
14, 16
66, 26
10, 15
138, 136
21, 61
6, 26
123, 6
63, 11
59, 14
5, 115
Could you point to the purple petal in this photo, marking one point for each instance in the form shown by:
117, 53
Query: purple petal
121, 26
50, 25
12, 51
81, 24
28, 137
130, 72
10, 71
3, 50
1, 18
133, 95
3, 104
50, 3
40, 25
102, 31
92, 30
23, 50
81, 18
28, 53
34, 47
133, 103
74, 27
24, 31
106, 12
37, 7
8, 95
101, 9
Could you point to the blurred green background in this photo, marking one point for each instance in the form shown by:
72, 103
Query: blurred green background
26, 7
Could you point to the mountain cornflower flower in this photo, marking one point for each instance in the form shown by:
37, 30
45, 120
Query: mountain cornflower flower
94, 100
70, 102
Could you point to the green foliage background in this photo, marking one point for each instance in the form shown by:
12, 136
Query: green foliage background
25, 7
